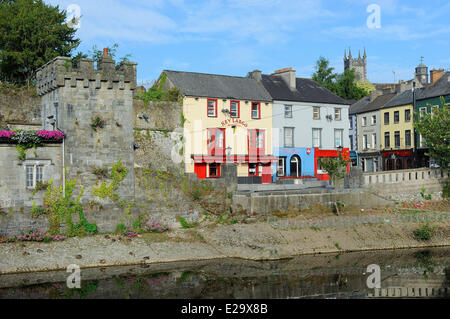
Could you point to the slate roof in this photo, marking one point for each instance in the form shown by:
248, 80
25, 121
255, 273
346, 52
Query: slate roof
218, 86
378, 103
307, 90
404, 98
440, 88
355, 108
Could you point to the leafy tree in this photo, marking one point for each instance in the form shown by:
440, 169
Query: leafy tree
31, 34
335, 167
342, 84
324, 73
347, 88
366, 85
435, 128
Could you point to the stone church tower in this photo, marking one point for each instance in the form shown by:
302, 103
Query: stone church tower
359, 65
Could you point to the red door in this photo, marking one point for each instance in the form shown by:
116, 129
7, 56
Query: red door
267, 174
200, 170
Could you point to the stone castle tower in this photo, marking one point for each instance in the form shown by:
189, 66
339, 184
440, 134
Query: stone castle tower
359, 65
72, 98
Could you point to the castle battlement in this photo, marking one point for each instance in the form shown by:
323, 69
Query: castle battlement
59, 73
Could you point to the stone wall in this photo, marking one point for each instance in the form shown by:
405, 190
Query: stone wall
19, 108
13, 190
77, 96
264, 203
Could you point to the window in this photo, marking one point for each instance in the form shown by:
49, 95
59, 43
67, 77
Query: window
34, 175
338, 138
337, 114
397, 139
364, 121
387, 140
216, 142
288, 137
386, 118
252, 169
351, 143
317, 137
408, 138
374, 140
281, 168
234, 109
396, 117
423, 143
407, 115
434, 108
365, 142
256, 110
288, 111
259, 139
422, 111
316, 113
212, 108
351, 122
214, 170
256, 142
374, 120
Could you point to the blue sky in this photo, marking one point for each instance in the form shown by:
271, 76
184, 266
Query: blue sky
234, 37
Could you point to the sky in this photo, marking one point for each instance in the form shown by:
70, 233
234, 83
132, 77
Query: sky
234, 37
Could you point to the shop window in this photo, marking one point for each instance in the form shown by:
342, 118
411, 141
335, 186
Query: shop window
214, 170
281, 167
252, 169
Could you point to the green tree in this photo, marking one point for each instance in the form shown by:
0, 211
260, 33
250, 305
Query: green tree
435, 128
31, 34
347, 88
324, 73
335, 167
343, 84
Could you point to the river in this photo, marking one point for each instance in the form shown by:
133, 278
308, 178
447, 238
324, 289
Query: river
412, 273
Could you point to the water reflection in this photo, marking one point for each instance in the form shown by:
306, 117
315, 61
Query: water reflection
322, 276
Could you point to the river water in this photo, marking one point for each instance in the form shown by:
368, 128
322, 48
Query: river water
423, 273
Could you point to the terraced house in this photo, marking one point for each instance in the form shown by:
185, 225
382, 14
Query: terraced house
397, 131
309, 122
369, 131
428, 100
228, 119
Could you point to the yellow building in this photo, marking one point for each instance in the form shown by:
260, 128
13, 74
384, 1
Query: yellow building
227, 120
397, 132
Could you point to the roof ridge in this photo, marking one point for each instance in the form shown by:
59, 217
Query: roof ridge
201, 73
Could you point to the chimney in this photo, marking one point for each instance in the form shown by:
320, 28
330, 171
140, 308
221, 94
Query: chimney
374, 94
106, 62
255, 75
289, 76
436, 75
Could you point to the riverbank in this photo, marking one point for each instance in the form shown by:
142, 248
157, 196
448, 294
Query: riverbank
254, 241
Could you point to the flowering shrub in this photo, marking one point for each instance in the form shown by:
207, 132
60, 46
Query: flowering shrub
34, 234
130, 232
155, 227
7, 134
27, 138
51, 135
